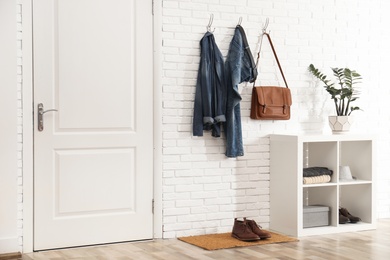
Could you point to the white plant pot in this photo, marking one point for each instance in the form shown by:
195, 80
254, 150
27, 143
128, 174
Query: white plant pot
340, 124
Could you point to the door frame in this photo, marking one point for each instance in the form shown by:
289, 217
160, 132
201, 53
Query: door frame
28, 120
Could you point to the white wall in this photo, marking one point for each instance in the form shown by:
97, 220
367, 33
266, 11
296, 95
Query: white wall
204, 190
8, 128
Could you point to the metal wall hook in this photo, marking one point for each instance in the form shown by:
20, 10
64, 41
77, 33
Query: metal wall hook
239, 21
210, 23
264, 30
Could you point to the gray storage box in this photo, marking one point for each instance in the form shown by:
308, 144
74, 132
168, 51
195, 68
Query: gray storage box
315, 216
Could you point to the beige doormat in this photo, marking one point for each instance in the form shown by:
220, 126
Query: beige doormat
225, 240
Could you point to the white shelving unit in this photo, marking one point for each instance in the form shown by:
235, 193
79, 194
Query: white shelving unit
291, 153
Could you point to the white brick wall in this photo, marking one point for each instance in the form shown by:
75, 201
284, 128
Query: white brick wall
204, 190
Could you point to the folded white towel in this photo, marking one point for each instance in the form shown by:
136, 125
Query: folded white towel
316, 179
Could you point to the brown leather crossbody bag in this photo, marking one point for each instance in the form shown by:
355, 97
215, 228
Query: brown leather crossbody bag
271, 102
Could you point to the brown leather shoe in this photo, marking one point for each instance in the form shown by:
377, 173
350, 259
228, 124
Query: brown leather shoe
351, 218
257, 229
242, 231
342, 219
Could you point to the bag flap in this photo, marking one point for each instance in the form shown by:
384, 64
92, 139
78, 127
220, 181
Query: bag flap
273, 96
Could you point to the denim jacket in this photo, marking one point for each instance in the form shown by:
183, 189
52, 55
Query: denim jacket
210, 95
238, 68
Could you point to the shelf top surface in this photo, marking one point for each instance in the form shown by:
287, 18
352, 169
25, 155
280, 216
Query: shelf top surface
322, 137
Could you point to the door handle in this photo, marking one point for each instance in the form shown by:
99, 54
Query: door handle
41, 112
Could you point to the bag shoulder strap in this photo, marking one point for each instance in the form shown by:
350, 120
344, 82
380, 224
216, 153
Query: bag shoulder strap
276, 57
248, 51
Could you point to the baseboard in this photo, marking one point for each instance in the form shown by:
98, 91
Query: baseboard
10, 256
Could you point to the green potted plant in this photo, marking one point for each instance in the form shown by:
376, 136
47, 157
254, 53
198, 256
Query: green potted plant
343, 95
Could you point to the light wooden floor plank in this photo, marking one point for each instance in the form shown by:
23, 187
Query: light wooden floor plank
373, 244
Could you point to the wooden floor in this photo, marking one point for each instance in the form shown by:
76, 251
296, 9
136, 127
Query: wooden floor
374, 244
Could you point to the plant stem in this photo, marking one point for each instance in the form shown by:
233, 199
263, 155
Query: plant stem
337, 107
346, 110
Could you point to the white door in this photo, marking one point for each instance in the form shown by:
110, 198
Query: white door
93, 159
